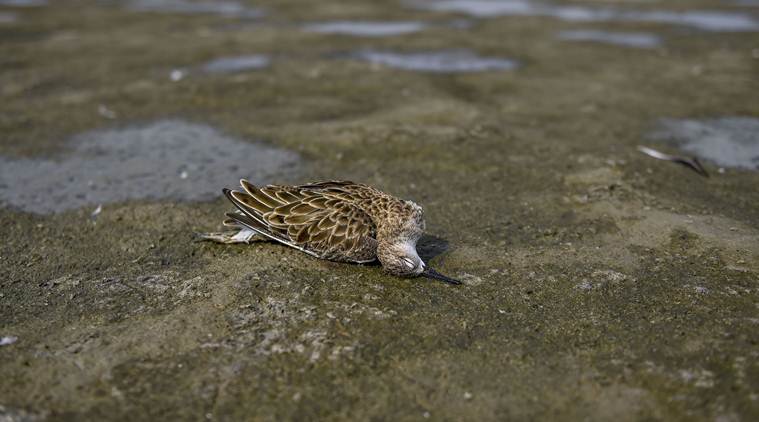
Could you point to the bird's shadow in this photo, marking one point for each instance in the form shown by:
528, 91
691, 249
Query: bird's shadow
430, 246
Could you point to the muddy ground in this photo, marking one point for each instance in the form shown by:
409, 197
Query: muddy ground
600, 283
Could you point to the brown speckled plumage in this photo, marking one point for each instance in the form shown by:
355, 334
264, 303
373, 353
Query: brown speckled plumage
334, 220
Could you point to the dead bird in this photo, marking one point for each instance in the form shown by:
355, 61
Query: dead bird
335, 220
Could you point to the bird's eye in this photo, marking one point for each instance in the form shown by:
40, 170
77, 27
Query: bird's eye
409, 263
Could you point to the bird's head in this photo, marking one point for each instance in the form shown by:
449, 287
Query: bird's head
402, 260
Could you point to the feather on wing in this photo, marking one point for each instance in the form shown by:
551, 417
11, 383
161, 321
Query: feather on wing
319, 219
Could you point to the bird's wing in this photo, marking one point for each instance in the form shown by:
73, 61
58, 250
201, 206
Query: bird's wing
310, 218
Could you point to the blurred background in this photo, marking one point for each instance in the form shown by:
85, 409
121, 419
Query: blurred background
601, 281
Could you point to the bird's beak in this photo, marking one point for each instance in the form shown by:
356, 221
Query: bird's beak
430, 273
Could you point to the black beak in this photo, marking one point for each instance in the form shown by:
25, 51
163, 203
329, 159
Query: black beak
430, 273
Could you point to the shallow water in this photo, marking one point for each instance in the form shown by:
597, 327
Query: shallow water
220, 7
23, 3
452, 61
236, 64
700, 19
169, 159
705, 20
365, 28
626, 39
731, 142
7, 18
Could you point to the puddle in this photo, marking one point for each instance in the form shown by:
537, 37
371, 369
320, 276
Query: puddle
479, 8
625, 39
365, 29
727, 141
221, 7
23, 3
700, 19
223, 65
236, 64
167, 159
439, 61
706, 20
7, 18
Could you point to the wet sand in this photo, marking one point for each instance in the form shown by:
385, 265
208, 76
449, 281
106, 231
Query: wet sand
600, 283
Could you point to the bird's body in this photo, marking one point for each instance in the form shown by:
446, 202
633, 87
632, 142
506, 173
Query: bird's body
335, 220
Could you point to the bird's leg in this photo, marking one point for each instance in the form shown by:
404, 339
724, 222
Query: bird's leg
243, 235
